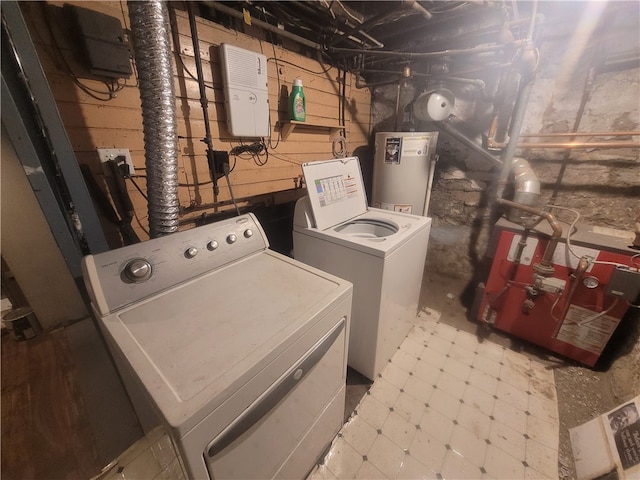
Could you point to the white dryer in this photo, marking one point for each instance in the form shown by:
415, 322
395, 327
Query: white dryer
381, 252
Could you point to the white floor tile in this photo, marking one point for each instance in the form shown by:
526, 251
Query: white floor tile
501, 465
343, 460
516, 361
359, 434
412, 347
490, 350
467, 444
509, 415
321, 472
394, 375
418, 389
427, 372
369, 472
452, 409
483, 381
462, 354
467, 341
456, 467
404, 360
542, 458
515, 377
444, 403
479, 400
439, 344
428, 450
507, 439
386, 456
543, 408
487, 365
412, 469
474, 420
372, 411
409, 408
433, 357
456, 368
454, 386
384, 392
543, 432
398, 430
437, 425
446, 331
513, 395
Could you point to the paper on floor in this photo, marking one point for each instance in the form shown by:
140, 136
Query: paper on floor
610, 442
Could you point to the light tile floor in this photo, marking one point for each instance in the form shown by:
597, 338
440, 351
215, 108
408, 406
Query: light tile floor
153, 457
450, 407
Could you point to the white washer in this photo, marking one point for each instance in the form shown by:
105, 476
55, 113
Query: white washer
381, 252
239, 351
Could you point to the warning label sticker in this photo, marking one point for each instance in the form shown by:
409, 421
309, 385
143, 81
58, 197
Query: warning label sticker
586, 329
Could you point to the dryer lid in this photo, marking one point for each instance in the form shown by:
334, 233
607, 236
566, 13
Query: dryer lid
336, 191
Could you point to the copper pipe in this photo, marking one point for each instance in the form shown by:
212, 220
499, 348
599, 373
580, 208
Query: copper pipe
553, 223
576, 278
574, 145
582, 134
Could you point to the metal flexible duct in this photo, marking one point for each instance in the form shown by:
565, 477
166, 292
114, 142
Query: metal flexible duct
151, 38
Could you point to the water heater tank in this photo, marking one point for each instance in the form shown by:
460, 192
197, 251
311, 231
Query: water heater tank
401, 170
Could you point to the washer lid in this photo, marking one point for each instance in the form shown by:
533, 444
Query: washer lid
336, 190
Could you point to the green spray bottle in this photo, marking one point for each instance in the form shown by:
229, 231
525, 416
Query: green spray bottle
297, 102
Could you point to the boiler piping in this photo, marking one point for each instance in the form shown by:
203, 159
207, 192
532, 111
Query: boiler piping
546, 264
151, 35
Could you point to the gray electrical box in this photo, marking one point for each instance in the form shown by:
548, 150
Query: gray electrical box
624, 283
102, 41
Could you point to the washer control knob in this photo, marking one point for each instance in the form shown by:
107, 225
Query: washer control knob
248, 233
191, 252
212, 245
137, 270
231, 238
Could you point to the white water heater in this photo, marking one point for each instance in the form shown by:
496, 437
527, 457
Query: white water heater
245, 91
402, 164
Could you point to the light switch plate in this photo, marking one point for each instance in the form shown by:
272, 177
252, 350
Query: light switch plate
106, 154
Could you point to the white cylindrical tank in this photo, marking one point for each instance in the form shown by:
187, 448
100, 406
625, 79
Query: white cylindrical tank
401, 170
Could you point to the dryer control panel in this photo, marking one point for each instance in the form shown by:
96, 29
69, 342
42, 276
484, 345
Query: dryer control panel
129, 274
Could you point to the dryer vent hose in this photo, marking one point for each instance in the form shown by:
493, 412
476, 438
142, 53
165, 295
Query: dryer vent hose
151, 40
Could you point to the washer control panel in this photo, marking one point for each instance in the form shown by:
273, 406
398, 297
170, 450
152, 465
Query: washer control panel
129, 274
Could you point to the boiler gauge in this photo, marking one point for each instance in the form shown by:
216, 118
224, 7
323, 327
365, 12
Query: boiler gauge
590, 282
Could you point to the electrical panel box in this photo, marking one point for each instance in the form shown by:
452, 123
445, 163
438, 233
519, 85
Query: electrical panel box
102, 42
245, 90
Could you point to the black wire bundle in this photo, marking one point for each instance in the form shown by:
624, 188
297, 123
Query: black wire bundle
257, 150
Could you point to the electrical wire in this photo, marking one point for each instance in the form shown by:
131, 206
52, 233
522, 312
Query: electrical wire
570, 233
257, 150
135, 184
113, 86
597, 316
301, 68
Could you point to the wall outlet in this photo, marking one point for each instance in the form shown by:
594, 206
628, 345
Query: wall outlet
106, 154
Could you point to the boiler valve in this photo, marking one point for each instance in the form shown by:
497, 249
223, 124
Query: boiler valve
550, 284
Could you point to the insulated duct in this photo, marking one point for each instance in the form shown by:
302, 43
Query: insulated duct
151, 39
526, 188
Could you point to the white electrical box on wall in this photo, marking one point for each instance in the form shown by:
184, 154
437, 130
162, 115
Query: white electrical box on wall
245, 91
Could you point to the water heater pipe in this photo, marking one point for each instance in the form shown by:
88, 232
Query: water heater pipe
151, 38
427, 198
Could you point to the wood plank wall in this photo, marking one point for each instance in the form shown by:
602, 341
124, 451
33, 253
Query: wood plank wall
117, 123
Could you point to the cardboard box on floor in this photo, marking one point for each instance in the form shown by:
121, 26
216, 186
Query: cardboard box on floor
609, 443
